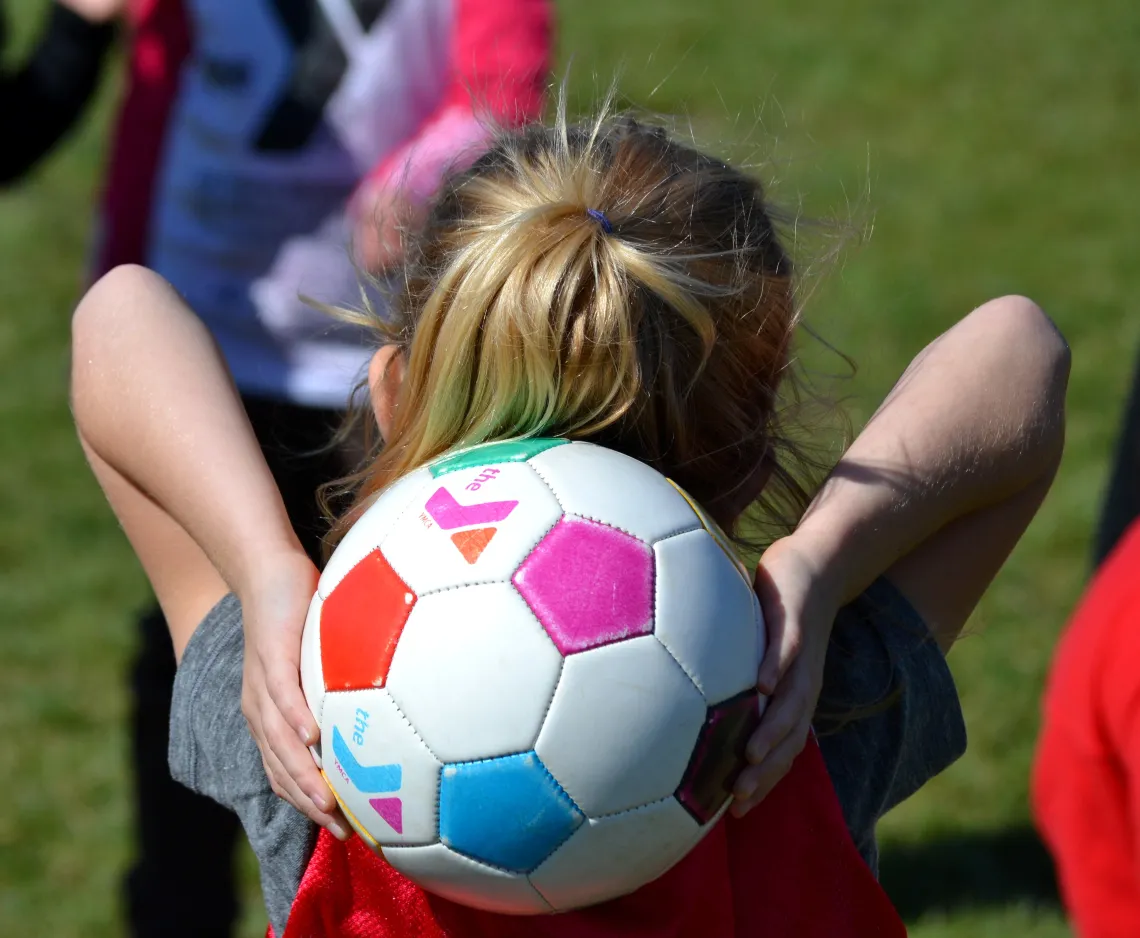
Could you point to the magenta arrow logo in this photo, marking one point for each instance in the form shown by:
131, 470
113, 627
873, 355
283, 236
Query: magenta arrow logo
448, 513
391, 810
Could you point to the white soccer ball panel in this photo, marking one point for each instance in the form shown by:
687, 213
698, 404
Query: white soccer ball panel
370, 529
471, 526
615, 489
449, 874
717, 533
611, 856
474, 672
621, 727
312, 675
382, 773
707, 615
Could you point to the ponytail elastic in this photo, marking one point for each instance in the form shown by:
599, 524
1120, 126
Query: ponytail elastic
600, 218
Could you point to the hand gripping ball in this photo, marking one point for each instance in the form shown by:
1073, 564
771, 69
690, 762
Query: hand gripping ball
533, 664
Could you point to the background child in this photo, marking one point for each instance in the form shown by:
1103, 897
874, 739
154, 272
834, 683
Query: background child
254, 141
660, 328
1086, 777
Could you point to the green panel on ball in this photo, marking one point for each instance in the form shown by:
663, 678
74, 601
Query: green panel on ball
490, 454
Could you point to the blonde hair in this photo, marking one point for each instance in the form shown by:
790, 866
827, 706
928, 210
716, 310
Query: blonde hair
665, 337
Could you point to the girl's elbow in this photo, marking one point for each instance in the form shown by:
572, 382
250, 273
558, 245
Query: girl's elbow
91, 315
94, 323
1026, 334
1032, 353
121, 296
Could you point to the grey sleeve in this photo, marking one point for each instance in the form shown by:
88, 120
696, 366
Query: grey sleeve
889, 718
213, 753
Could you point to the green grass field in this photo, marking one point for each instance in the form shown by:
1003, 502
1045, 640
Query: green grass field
980, 149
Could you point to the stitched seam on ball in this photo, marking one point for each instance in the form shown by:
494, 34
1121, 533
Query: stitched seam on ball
397, 846
501, 755
558, 785
508, 579
404, 717
687, 530
462, 586
392, 527
545, 481
396, 520
720, 538
324, 596
521, 752
657, 634
610, 525
637, 807
545, 768
538, 891
578, 514
561, 665
696, 686
692, 678
541, 538
546, 713
423, 742
599, 817
503, 869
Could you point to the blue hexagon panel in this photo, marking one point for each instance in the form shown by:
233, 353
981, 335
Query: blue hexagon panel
508, 812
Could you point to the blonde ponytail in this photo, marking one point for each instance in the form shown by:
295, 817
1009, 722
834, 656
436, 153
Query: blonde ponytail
665, 336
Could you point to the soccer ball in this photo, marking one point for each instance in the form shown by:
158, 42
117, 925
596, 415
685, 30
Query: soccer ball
533, 665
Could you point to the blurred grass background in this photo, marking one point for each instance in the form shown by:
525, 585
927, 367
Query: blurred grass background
980, 149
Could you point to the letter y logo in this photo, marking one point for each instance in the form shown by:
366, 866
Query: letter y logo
449, 514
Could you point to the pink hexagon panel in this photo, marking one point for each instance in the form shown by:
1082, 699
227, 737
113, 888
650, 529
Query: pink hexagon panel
589, 585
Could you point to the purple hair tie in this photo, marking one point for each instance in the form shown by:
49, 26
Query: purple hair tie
600, 218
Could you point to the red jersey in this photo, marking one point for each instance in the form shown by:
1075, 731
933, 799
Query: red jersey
788, 869
1086, 778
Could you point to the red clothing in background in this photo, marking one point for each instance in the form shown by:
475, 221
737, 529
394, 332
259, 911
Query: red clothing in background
1086, 780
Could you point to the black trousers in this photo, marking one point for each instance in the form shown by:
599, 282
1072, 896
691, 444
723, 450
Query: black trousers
182, 882
1122, 499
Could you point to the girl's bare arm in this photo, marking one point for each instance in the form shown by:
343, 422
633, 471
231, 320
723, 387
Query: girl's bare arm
933, 494
166, 435
168, 439
944, 479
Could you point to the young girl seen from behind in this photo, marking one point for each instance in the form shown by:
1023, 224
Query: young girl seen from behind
600, 282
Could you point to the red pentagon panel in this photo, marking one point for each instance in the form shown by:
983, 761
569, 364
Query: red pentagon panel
718, 756
361, 622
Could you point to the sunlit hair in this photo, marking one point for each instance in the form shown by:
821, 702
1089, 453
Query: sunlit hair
666, 339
